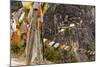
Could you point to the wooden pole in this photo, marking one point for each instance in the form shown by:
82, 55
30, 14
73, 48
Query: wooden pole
29, 45
34, 44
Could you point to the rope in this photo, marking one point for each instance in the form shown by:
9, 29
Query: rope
54, 44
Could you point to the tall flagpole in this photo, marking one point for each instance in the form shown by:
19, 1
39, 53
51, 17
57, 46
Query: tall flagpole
34, 44
30, 43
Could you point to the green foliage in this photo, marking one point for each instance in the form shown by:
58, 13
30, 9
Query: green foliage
56, 55
71, 57
19, 48
53, 55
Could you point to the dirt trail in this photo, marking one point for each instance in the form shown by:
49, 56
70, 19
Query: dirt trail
17, 62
